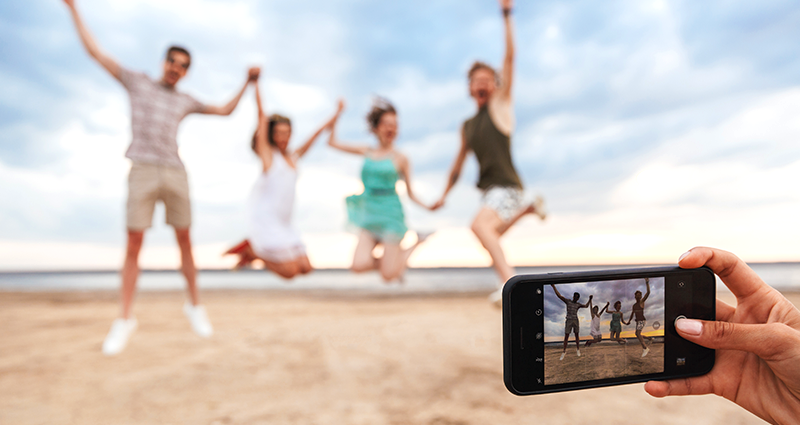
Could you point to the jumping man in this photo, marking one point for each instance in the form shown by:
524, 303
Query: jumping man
572, 323
157, 172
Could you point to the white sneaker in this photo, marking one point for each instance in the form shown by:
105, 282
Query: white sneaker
199, 319
562, 355
117, 338
579, 353
496, 298
646, 350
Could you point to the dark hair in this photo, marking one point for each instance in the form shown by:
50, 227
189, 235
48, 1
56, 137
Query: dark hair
577, 293
179, 49
272, 121
618, 302
380, 106
478, 65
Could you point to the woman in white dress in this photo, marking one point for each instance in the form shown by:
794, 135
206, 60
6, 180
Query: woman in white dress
272, 238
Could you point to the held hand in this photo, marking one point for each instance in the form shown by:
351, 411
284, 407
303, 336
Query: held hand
253, 73
438, 204
757, 343
70, 3
506, 4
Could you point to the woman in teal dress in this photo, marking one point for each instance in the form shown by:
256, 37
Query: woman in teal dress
377, 213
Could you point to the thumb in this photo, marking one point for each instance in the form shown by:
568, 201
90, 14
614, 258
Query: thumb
763, 340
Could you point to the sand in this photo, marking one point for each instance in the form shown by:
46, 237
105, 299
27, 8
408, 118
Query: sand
607, 359
290, 358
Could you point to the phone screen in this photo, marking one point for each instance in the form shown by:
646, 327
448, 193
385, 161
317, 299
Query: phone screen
620, 331
557, 339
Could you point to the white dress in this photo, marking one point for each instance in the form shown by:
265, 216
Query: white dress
270, 213
595, 332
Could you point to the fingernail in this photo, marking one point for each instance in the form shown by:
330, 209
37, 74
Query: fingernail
689, 326
684, 255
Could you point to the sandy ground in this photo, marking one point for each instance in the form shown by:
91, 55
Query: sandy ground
290, 358
608, 359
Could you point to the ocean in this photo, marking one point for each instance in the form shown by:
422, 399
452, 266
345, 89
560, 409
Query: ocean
783, 276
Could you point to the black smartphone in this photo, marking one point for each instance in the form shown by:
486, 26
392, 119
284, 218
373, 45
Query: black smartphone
569, 331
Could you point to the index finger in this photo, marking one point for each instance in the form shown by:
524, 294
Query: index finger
735, 273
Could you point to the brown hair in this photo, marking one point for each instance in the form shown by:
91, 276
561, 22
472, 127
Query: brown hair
179, 49
380, 106
478, 65
272, 121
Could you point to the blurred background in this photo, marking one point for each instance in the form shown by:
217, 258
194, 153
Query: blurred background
649, 126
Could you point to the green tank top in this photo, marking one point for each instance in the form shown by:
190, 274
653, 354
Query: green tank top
492, 149
379, 175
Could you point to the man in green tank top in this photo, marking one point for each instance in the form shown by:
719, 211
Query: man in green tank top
488, 135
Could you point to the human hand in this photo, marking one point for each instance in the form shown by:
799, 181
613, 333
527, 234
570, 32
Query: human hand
70, 3
438, 204
757, 343
506, 4
253, 73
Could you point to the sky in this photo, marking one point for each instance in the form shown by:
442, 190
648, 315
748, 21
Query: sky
648, 126
609, 291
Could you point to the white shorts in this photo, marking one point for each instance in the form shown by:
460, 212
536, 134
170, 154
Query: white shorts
506, 201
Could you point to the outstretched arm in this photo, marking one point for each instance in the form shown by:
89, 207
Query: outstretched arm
590, 307
336, 144
605, 309
629, 319
89, 43
558, 294
589, 303
455, 172
328, 124
647, 282
405, 174
263, 149
227, 109
507, 73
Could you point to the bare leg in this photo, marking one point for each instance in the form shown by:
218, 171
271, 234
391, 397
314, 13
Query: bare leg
395, 260
566, 341
577, 342
187, 263
130, 271
362, 257
641, 339
485, 226
286, 270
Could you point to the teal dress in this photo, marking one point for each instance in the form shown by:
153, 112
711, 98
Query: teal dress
378, 210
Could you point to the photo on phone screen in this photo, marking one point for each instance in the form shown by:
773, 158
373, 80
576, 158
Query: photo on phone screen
621, 333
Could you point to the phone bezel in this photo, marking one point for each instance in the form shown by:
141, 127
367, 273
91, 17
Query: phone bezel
695, 298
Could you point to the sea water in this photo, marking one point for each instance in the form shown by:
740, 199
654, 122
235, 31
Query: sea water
783, 276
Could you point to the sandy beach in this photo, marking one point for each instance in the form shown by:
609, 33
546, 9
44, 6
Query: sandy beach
290, 358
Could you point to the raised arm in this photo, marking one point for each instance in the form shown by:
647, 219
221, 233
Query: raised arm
507, 73
589, 303
590, 307
405, 174
605, 309
455, 172
647, 282
263, 148
558, 294
336, 144
327, 125
90, 44
227, 109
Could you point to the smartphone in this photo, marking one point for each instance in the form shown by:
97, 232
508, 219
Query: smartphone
625, 333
